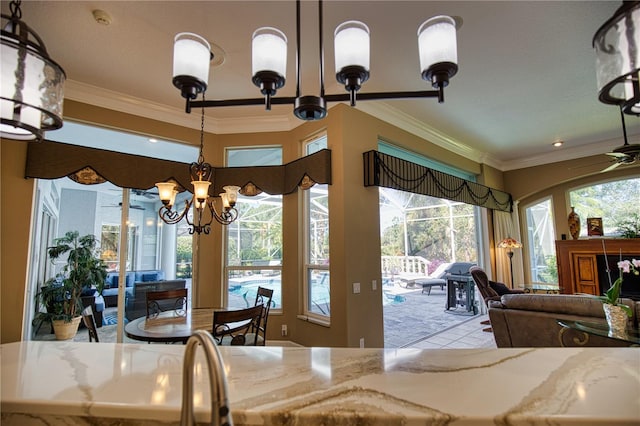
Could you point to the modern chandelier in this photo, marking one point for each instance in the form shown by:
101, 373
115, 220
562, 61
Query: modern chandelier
617, 44
204, 209
32, 89
437, 51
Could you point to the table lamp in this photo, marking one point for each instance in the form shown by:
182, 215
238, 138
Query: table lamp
510, 244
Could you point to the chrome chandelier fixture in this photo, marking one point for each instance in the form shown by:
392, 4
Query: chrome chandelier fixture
617, 44
32, 89
204, 209
437, 51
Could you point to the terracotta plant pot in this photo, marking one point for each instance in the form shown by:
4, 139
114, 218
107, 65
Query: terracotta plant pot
66, 330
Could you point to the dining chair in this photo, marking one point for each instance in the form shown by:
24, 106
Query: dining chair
264, 297
167, 300
231, 328
90, 323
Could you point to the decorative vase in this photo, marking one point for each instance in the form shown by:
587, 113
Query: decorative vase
616, 319
66, 330
574, 224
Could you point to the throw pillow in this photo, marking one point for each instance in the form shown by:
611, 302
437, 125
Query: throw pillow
499, 288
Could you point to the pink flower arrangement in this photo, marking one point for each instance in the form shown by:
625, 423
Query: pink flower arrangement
612, 295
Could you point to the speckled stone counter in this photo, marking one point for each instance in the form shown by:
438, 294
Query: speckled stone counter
136, 384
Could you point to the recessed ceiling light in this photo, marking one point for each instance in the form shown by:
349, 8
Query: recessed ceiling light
152, 140
558, 143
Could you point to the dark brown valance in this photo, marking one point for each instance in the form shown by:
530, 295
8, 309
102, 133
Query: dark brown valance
392, 172
53, 160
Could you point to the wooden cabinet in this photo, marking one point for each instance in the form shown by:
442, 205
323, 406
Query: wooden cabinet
578, 261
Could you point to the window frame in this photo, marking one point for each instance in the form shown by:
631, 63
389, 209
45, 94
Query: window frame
308, 267
531, 250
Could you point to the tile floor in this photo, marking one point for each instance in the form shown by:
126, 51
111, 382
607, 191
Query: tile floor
468, 334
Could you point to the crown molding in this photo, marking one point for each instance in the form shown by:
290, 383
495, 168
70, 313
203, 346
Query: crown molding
109, 99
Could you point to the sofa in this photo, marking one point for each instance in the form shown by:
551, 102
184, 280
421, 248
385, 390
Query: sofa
136, 299
530, 320
110, 289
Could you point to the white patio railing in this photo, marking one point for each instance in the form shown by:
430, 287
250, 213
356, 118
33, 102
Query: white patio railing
403, 265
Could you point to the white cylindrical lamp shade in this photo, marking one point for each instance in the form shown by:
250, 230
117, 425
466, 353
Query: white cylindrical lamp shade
191, 57
269, 51
352, 45
437, 42
201, 189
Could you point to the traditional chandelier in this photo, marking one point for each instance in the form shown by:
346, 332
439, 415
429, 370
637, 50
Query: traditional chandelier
617, 44
204, 209
437, 51
32, 89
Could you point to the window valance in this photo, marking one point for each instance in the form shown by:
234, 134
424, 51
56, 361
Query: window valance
53, 160
392, 172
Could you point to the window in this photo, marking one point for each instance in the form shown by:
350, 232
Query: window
317, 289
541, 241
615, 202
254, 240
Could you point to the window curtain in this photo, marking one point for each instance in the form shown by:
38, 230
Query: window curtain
53, 160
393, 172
506, 225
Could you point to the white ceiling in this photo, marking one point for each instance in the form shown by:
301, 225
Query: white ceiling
526, 68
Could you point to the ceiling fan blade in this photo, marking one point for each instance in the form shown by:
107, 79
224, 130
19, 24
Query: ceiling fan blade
617, 154
611, 167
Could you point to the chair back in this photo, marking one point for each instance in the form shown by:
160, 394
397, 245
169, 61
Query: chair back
90, 323
234, 327
482, 281
167, 300
264, 297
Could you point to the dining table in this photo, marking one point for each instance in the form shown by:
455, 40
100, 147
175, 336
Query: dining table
170, 326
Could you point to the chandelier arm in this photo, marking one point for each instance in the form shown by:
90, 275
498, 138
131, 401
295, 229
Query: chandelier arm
342, 97
171, 217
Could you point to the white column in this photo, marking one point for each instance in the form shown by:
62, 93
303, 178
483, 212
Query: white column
168, 234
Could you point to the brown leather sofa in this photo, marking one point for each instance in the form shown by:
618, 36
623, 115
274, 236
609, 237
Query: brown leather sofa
530, 320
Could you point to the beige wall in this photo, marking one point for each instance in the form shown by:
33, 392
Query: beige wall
15, 217
354, 221
533, 184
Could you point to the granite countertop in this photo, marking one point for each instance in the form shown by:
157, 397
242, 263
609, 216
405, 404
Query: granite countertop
88, 383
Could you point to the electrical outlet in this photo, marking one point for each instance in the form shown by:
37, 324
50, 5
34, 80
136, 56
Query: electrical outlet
374, 285
356, 288
284, 330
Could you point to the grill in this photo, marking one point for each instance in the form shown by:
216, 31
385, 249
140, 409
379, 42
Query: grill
461, 287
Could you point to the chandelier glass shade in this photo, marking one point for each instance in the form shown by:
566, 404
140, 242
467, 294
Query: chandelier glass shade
617, 45
204, 208
437, 52
32, 89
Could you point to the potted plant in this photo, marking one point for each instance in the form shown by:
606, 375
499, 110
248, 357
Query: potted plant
616, 312
62, 295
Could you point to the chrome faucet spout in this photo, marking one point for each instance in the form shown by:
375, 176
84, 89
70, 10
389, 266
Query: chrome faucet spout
220, 411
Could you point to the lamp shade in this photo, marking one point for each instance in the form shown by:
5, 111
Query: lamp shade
617, 45
352, 45
437, 41
191, 58
509, 243
269, 51
32, 89
232, 194
201, 189
165, 191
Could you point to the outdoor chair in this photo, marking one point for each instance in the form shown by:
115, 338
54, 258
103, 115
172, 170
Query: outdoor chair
231, 328
489, 290
90, 323
167, 300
